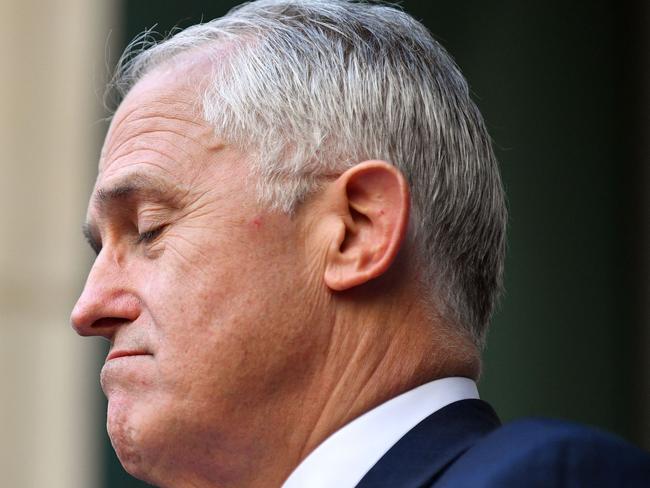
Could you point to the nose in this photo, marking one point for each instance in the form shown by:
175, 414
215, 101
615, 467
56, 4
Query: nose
107, 300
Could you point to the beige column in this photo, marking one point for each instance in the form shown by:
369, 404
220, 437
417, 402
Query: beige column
52, 64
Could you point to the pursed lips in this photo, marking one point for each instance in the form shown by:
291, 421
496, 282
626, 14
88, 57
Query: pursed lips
125, 353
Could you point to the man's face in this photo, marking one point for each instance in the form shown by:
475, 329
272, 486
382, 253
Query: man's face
200, 292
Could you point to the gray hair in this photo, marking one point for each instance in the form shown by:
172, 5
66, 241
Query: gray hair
310, 88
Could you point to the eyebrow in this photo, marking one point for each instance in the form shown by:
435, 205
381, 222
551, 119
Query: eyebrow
132, 185
138, 184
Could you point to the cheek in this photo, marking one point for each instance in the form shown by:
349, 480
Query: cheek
229, 315
197, 287
224, 334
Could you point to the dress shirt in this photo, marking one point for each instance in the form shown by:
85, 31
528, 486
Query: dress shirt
348, 454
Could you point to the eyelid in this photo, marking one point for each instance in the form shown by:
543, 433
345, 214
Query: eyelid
150, 234
91, 238
96, 246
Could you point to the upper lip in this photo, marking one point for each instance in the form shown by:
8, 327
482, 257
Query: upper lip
126, 352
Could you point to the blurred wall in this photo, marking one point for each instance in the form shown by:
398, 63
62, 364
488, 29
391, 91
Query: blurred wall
52, 61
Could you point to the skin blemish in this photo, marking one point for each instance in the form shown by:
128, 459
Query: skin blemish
256, 223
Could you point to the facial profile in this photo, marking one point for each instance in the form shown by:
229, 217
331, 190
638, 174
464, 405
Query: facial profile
196, 287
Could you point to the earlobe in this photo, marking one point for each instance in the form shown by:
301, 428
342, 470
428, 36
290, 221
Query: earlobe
374, 203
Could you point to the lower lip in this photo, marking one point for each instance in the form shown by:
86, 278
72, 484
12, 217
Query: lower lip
122, 371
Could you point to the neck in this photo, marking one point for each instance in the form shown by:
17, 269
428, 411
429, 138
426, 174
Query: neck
372, 353
376, 353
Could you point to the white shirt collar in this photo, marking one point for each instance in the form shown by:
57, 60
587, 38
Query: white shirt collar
348, 454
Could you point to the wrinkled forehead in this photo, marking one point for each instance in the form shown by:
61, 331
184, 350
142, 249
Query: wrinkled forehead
173, 88
159, 130
158, 113
158, 144
154, 97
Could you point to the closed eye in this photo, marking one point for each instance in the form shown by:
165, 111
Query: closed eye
94, 246
150, 235
90, 233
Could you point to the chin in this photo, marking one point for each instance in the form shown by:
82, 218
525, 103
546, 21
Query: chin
128, 430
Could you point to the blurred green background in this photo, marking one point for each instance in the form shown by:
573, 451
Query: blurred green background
561, 86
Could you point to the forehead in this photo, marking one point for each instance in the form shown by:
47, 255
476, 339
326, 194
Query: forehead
177, 82
158, 130
159, 106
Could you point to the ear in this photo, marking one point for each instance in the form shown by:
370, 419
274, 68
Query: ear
372, 203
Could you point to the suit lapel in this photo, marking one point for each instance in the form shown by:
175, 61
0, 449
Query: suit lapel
424, 452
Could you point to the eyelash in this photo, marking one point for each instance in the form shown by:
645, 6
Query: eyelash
149, 235
95, 246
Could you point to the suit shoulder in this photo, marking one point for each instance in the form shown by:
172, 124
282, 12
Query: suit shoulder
544, 452
534, 433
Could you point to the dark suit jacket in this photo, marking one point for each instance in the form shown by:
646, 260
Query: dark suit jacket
464, 445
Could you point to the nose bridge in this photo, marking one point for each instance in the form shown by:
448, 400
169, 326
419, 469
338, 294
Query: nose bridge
108, 297
105, 273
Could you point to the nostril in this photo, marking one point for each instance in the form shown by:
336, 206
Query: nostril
108, 322
104, 326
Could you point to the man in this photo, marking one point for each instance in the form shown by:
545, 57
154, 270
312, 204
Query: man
300, 226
